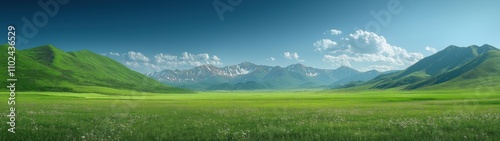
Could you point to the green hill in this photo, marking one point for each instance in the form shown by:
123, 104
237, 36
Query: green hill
451, 67
47, 68
483, 70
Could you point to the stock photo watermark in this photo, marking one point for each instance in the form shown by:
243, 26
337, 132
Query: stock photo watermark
11, 68
29, 29
39, 19
381, 18
223, 7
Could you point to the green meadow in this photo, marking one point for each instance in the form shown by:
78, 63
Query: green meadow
257, 115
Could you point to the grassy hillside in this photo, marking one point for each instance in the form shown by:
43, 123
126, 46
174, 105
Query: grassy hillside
47, 68
454, 66
482, 72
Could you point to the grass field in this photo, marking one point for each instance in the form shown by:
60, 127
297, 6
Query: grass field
257, 115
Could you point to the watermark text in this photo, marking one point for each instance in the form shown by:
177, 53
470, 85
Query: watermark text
11, 69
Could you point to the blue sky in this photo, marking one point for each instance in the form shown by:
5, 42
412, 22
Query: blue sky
181, 34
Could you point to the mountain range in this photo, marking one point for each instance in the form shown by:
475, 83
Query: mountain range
46, 68
454, 67
249, 76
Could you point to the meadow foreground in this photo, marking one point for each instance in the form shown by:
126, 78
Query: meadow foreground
262, 115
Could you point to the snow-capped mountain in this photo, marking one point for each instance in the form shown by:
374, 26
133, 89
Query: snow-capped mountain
299, 68
243, 74
203, 73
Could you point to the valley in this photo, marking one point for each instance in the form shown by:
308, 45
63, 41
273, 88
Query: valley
441, 97
250, 70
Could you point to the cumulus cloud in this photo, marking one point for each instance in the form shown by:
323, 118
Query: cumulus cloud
134, 60
340, 60
431, 49
114, 54
166, 61
292, 56
364, 50
132, 64
334, 32
216, 58
289, 55
137, 56
140, 62
324, 44
161, 58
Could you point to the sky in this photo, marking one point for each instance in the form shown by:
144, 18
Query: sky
153, 35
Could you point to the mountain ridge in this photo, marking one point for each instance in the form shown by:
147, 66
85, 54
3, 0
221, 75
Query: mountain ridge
263, 76
442, 68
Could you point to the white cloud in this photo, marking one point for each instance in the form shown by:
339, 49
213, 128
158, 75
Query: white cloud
132, 64
152, 66
134, 60
292, 56
431, 49
161, 58
137, 56
335, 32
324, 44
364, 50
114, 54
162, 61
216, 58
341, 60
165, 61
272, 59
289, 55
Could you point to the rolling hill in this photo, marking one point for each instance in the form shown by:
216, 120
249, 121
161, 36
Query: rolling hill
249, 76
47, 68
453, 67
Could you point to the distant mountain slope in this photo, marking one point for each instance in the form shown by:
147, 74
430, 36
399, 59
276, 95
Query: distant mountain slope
47, 68
445, 67
250, 76
482, 70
